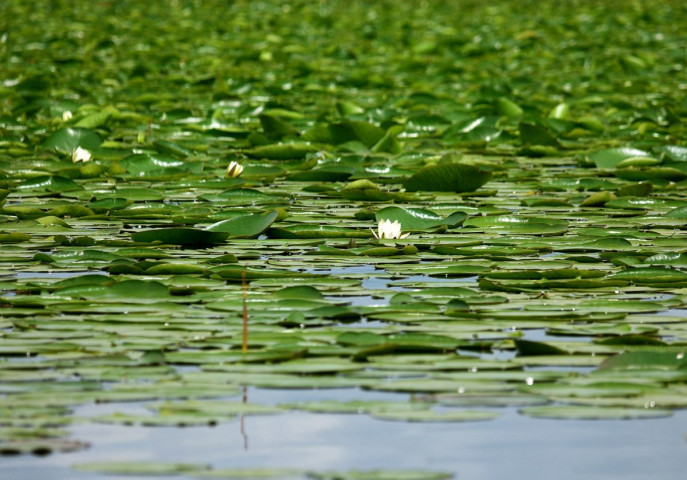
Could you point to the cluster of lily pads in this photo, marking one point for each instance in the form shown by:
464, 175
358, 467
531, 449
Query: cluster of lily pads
390, 213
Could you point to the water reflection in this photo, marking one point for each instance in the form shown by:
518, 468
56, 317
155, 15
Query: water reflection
242, 420
512, 446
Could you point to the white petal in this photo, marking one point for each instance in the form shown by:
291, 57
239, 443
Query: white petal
234, 169
81, 155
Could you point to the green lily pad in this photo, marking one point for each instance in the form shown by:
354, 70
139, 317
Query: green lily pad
324, 174
448, 177
593, 413
54, 183
67, 140
432, 416
245, 226
382, 475
237, 272
143, 165
679, 212
109, 204
283, 151
676, 153
412, 219
473, 131
255, 474
174, 269
638, 174
140, 468
136, 194
519, 225
214, 407
346, 131
611, 157
365, 190
645, 360
651, 275
531, 134
316, 231
179, 236
527, 347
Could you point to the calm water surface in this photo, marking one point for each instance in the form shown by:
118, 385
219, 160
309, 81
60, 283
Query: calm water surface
510, 447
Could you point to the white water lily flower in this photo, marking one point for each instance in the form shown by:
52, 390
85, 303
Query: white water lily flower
234, 169
387, 229
81, 155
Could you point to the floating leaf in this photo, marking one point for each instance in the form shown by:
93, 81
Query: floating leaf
473, 131
179, 236
283, 151
275, 127
668, 258
316, 231
163, 146
382, 475
412, 219
679, 212
140, 468
448, 177
650, 275
324, 174
245, 226
508, 108
432, 416
255, 474
611, 157
519, 225
67, 140
236, 272
347, 131
301, 292
527, 347
531, 134
174, 269
592, 413
365, 190
109, 204
645, 360
638, 174
676, 153
97, 119
54, 183
143, 165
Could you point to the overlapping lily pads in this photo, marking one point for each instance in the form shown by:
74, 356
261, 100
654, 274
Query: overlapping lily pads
544, 264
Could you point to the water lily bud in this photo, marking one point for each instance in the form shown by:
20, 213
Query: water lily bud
234, 169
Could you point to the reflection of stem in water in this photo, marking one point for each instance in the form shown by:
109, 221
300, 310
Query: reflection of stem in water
244, 399
244, 285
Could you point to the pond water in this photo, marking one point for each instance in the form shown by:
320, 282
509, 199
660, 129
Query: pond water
511, 446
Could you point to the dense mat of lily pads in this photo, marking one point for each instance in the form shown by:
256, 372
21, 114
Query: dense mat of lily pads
163, 166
